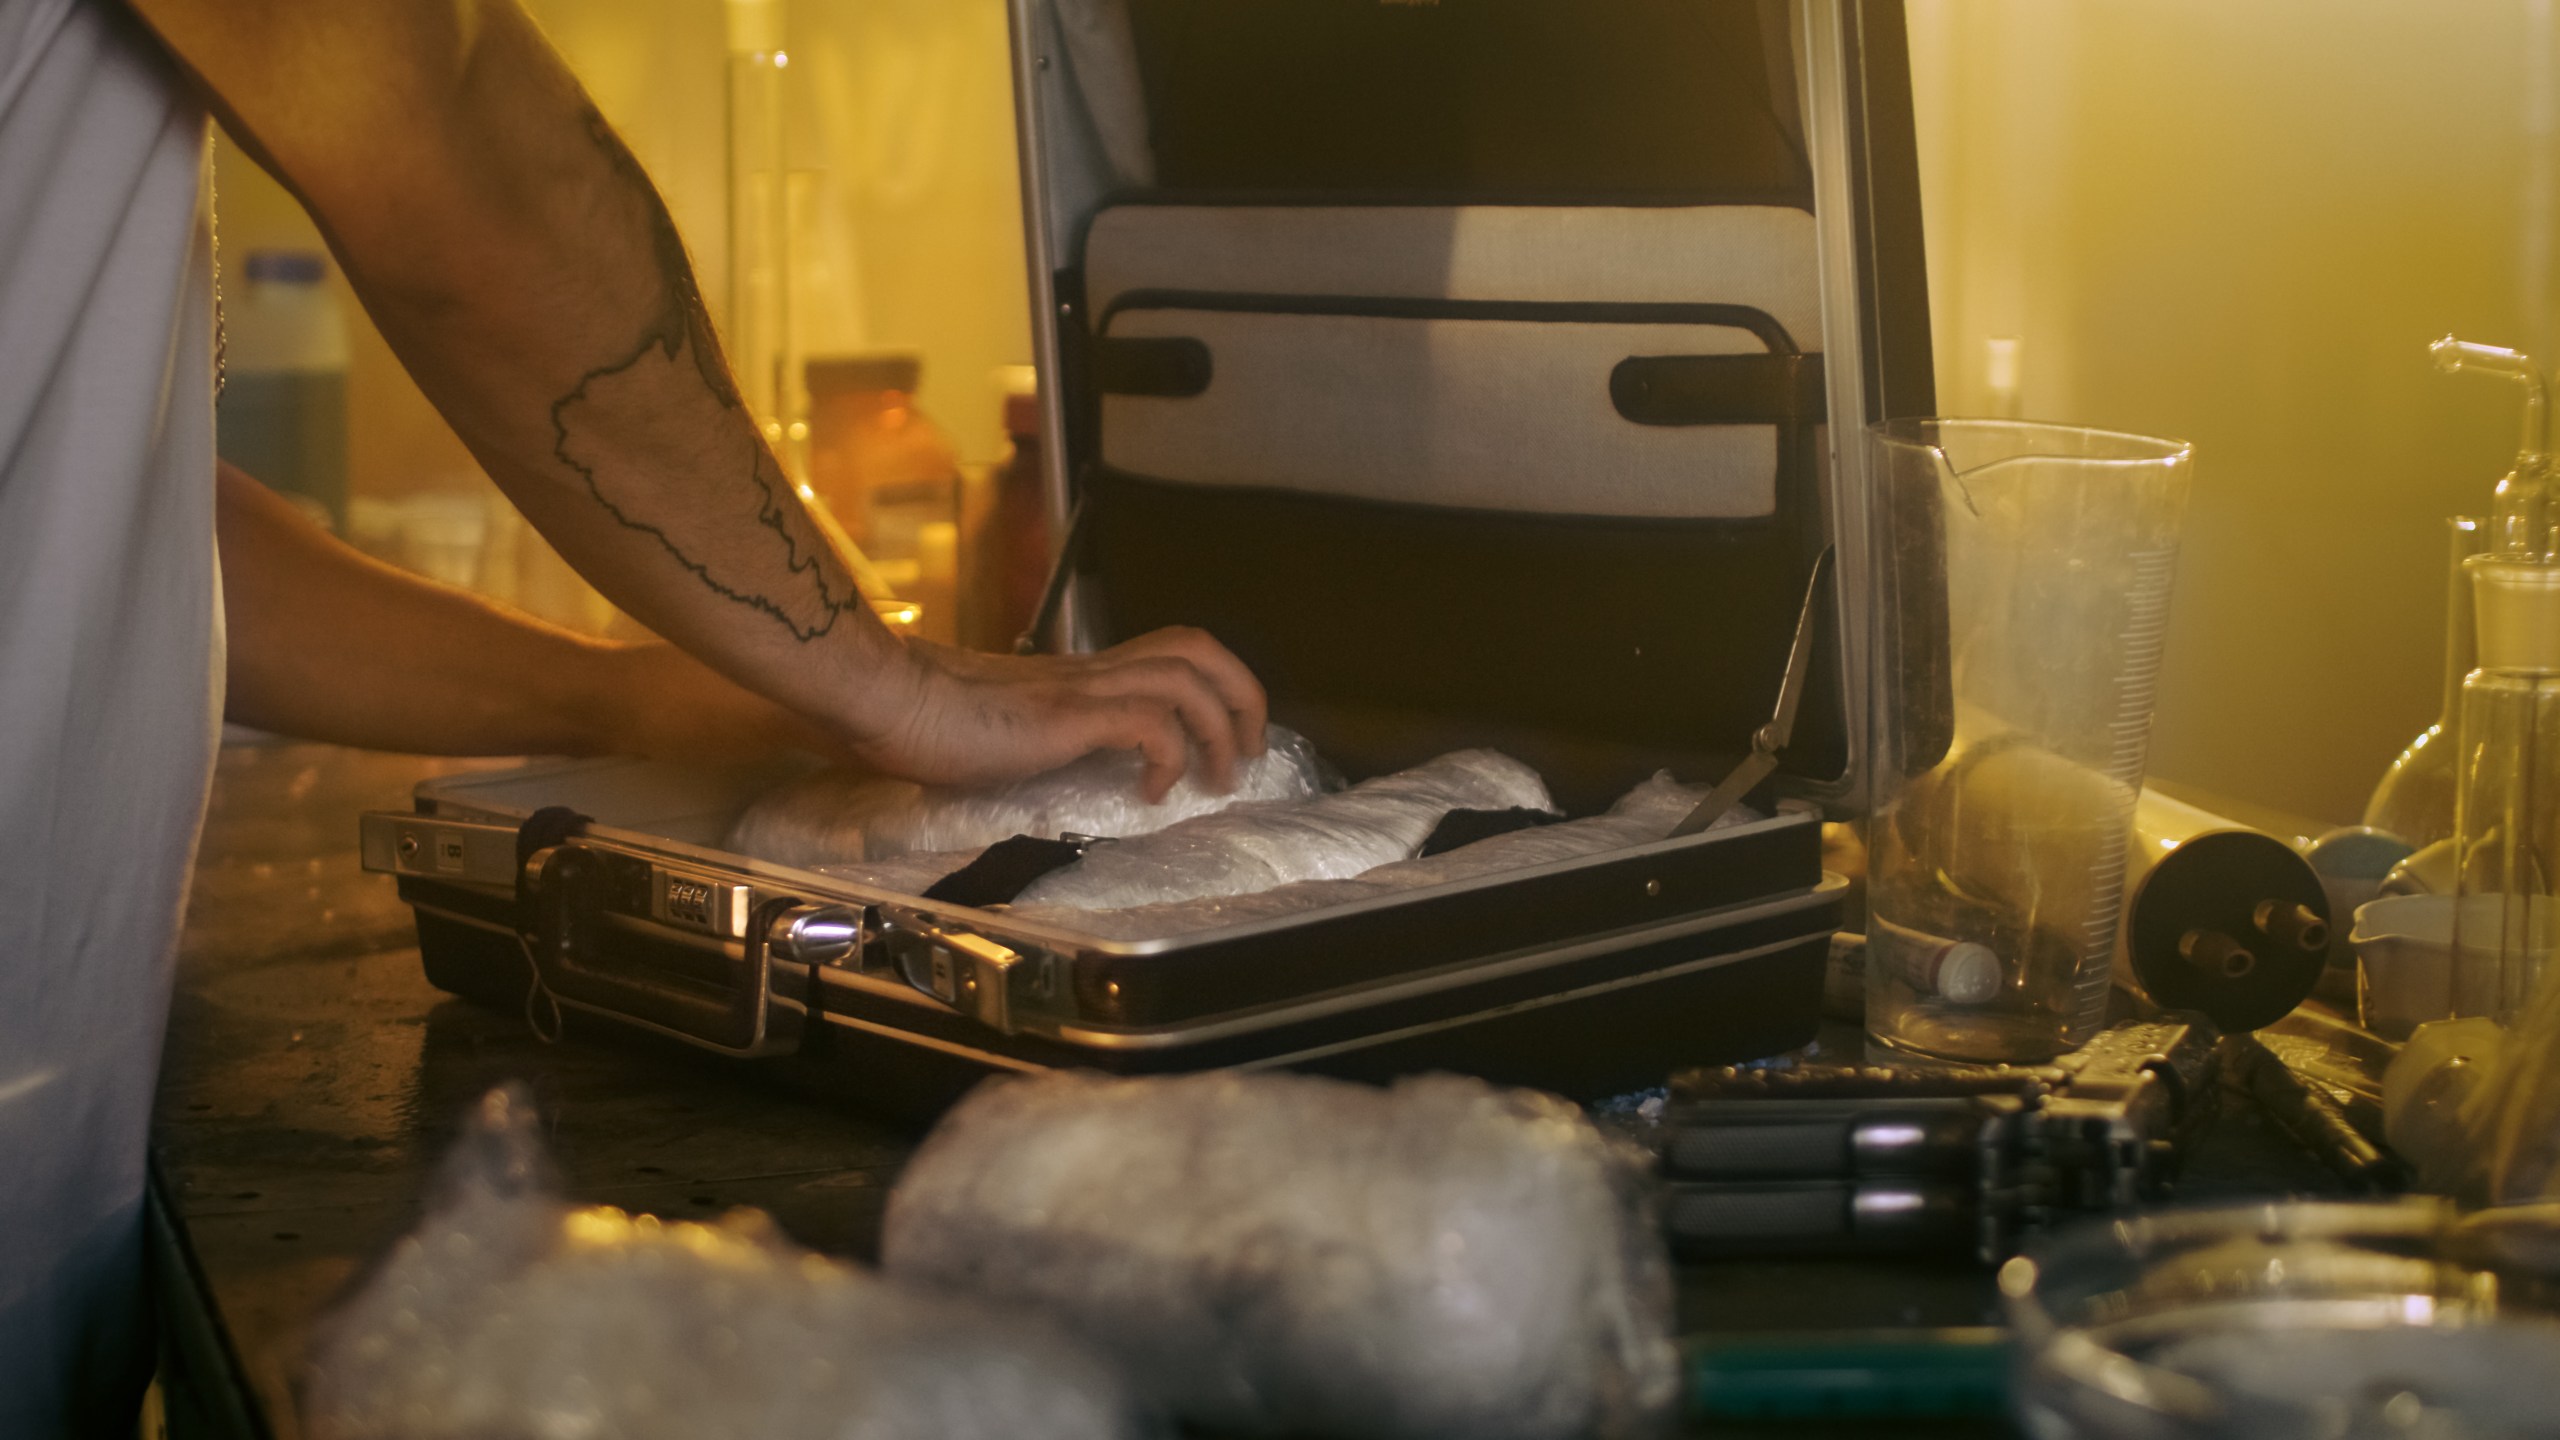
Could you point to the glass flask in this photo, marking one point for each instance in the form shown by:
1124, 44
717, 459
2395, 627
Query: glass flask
2507, 817
2415, 799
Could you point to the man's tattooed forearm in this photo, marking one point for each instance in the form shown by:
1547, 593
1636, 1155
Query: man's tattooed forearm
766, 554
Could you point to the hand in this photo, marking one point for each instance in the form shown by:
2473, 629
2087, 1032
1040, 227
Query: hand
971, 718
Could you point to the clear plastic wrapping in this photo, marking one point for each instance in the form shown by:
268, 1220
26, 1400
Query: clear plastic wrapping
1252, 848
2512, 1115
1642, 816
1192, 865
2474, 1106
1282, 1253
510, 1315
842, 817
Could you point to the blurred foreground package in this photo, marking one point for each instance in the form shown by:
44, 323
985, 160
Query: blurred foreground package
511, 1315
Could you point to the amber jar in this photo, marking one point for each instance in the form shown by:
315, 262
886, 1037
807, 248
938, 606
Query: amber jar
1009, 547
889, 476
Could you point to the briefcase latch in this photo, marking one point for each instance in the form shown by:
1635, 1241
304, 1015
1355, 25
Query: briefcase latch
970, 973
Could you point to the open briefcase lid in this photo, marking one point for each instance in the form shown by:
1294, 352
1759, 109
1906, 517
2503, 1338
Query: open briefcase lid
1471, 367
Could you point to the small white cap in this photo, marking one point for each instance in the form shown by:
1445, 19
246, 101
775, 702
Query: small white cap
2518, 605
1968, 973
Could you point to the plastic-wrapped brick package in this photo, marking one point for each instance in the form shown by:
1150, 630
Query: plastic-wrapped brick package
1284, 1253
838, 817
1253, 848
1642, 816
510, 1315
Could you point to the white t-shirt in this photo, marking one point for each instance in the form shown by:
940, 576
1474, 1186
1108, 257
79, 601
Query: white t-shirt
110, 667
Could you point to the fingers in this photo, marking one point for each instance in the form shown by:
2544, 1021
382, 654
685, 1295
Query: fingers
1178, 686
989, 718
1238, 692
1148, 726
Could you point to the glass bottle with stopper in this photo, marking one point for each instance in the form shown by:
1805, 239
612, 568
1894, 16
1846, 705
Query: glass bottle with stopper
2507, 812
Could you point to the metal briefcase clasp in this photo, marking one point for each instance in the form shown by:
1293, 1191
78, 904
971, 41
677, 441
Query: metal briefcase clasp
616, 930
968, 972
626, 935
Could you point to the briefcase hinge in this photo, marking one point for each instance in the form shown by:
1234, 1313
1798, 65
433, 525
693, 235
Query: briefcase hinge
462, 852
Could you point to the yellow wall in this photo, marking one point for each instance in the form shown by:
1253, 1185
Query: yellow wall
2239, 224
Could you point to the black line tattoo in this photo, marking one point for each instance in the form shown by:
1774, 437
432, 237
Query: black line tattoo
680, 333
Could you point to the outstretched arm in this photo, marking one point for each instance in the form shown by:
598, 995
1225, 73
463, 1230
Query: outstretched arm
331, 645
522, 267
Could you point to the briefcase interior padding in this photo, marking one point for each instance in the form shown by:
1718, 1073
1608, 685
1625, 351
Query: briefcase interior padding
1456, 356
1427, 468
1467, 368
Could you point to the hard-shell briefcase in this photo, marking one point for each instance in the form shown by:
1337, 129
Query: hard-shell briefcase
1483, 372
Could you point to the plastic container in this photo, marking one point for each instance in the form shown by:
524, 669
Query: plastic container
2404, 963
2022, 579
283, 408
2353, 862
1007, 554
890, 477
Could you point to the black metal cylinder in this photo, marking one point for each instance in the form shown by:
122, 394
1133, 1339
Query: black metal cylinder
2229, 922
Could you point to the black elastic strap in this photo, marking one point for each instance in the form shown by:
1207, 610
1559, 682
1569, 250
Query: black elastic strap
1460, 828
1004, 870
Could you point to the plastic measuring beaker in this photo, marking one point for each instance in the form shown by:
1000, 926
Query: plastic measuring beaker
2021, 596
